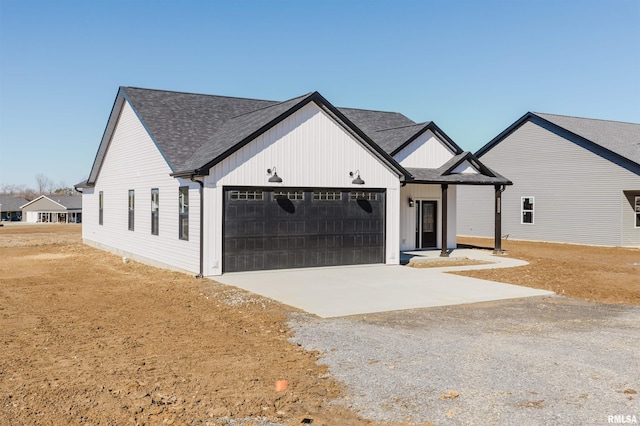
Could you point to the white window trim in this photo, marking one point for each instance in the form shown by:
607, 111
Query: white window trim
291, 195
246, 195
363, 195
327, 195
636, 211
533, 211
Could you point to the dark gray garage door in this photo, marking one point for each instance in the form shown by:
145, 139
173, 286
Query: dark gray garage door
299, 228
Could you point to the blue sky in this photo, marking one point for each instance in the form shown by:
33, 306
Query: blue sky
473, 67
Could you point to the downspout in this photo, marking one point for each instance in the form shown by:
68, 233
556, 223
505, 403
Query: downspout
497, 244
201, 183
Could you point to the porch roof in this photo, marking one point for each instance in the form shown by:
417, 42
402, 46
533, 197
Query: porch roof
446, 174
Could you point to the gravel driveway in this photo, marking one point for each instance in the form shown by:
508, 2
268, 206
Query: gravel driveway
528, 361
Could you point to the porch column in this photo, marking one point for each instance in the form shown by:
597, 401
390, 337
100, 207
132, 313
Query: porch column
444, 252
497, 247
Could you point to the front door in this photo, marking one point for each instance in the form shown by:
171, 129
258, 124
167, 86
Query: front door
426, 224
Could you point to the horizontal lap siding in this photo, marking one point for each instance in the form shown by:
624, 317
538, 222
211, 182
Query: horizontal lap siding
577, 192
133, 162
630, 233
475, 210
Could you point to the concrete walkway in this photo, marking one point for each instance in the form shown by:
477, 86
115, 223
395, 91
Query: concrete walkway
350, 290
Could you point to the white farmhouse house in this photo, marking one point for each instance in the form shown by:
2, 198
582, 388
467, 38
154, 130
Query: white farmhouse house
575, 180
212, 184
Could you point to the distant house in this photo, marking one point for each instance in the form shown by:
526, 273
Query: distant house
214, 184
53, 209
10, 208
575, 180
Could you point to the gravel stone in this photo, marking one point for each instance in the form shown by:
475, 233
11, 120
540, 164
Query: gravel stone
530, 361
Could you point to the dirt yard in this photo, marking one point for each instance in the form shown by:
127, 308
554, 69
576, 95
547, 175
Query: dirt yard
597, 274
86, 338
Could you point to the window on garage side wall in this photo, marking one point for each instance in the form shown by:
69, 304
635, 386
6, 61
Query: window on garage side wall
155, 211
132, 202
527, 208
637, 209
100, 207
183, 212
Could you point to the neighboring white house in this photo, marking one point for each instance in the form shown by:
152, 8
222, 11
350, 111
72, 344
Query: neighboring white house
575, 180
214, 184
53, 209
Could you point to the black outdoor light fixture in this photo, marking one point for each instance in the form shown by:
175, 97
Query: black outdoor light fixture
410, 202
275, 178
358, 180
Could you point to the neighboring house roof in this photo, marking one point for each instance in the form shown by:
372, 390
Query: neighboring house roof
622, 139
69, 202
9, 203
194, 132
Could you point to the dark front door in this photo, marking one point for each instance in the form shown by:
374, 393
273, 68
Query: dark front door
275, 228
426, 224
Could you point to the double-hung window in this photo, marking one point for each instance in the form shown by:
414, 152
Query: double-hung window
155, 210
183, 212
100, 207
526, 207
637, 208
132, 202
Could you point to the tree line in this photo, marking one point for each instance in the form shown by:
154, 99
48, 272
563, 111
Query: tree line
44, 186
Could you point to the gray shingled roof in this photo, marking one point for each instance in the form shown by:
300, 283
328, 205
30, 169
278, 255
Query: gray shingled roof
194, 131
372, 121
71, 202
9, 203
443, 174
180, 123
235, 130
391, 139
618, 137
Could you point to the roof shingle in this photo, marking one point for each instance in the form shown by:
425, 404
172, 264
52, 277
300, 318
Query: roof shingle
618, 137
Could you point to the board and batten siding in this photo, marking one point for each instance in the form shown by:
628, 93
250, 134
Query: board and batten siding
426, 151
577, 190
133, 161
408, 214
309, 150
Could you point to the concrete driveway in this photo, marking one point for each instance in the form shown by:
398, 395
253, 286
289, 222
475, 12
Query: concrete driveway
350, 290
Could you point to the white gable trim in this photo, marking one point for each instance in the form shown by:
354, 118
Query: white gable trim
40, 198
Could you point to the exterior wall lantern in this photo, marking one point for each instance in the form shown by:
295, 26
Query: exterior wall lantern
358, 180
410, 202
275, 178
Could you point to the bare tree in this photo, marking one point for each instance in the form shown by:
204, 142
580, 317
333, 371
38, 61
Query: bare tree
44, 184
12, 189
